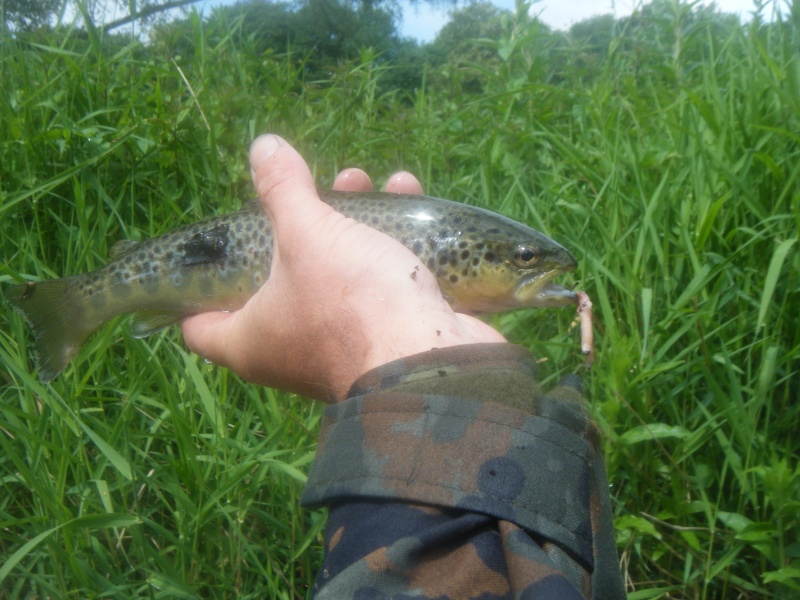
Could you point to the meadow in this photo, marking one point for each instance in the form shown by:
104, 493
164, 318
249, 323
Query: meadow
664, 152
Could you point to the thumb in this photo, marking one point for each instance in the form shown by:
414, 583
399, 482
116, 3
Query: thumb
283, 182
286, 189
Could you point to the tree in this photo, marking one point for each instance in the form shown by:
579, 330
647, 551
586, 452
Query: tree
674, 37
322, 31
593, 34
24, 15
467, 40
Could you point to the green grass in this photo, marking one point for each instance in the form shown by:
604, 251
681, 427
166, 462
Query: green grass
668, 161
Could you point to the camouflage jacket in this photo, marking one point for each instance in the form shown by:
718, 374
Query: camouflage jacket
449, 474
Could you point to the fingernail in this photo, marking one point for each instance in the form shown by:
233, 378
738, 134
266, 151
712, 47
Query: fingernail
262, 148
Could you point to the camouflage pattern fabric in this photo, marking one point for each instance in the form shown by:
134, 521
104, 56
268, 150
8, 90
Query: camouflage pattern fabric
450, 474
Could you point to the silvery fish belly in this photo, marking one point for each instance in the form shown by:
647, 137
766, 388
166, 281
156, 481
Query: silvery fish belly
484, 263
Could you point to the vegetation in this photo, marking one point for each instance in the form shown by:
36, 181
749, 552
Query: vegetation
27, 14
662, 149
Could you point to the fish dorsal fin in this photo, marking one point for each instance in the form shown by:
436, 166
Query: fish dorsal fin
122, 247
146, 322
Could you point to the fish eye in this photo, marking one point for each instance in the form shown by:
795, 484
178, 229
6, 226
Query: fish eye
525, 256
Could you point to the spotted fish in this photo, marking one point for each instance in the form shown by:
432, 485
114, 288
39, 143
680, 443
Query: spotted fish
484, 263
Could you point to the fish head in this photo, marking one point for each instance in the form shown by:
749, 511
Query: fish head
537, 266
505, 272
484, 262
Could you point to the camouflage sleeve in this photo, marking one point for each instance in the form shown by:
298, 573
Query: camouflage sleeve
449, 474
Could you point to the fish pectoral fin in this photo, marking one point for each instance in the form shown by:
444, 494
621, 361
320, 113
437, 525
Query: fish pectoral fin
147, 322
122, 247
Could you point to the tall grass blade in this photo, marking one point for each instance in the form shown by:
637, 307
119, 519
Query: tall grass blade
771, 280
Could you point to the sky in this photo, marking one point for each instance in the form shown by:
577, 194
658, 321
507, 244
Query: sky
423, 22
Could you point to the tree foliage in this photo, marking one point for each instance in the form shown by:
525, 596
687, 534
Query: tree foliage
24, 15
320, 34
465, 48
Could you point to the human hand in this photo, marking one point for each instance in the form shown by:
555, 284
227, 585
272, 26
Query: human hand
338, 301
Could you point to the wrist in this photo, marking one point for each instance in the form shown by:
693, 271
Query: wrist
427, 334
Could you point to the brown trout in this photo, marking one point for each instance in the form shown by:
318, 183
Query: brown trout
484, 263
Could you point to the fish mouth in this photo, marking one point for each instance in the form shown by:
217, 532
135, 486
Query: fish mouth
538, 291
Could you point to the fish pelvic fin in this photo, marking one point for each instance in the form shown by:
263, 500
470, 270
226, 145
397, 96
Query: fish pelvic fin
147, 322
54, 315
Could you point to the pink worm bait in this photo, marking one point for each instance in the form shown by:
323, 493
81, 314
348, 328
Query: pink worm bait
587, 335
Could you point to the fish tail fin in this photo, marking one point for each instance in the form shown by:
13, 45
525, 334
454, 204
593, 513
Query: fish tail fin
54, 314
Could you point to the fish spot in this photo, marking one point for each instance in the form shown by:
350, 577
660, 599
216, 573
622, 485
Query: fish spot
490, 257
465, 272
476, 261
462, 245
465, 255
453, 278
431, 263
480, 246
472, 229
417, 248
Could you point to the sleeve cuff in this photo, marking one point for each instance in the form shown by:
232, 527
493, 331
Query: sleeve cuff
533, 468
